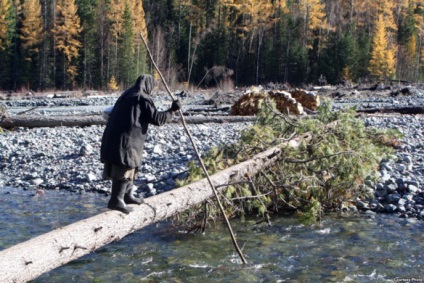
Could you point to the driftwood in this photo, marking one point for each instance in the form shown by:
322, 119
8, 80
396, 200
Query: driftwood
33, 121
30, 259
400, 110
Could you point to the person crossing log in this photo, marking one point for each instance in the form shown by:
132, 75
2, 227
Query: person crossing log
28, 260
202, 165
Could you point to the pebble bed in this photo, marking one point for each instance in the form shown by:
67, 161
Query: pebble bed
68, 158
400, 186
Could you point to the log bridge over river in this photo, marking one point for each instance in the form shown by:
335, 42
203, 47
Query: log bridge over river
30, 259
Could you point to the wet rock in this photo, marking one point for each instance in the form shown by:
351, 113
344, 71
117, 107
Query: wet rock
390, 208
393, 198
361, 205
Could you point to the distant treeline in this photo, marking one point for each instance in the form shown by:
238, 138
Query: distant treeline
95, 44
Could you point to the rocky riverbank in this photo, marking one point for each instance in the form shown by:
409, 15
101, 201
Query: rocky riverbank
68, 158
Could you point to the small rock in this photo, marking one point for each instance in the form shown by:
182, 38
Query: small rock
362, 205
390, 208
385, 176
91, 177
401, 167
413, 189
353, 208
401, 208
85, 150
407, 159
391, 188
402, 201
37, 181
392, 198
149, 177
158, 150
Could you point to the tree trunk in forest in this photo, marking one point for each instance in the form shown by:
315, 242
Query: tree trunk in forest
33, 121
30, 259
258, 54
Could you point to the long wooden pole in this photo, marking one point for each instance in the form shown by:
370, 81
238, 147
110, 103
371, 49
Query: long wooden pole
205, 171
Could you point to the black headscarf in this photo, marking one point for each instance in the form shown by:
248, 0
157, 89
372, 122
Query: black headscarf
143, 85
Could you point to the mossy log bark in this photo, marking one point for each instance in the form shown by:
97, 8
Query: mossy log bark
30, 259
33, 121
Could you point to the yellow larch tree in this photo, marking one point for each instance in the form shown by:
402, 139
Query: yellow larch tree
252, 19
382, 63
32, 29
315, 19
113, 85
139, 19
66, 30
5, 21
412, 49
386, 9
250, 16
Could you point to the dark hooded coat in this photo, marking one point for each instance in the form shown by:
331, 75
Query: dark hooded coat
126, 130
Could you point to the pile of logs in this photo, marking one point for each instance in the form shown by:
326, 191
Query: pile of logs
292, 102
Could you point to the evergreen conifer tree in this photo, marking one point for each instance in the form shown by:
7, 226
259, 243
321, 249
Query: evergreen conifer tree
127, 64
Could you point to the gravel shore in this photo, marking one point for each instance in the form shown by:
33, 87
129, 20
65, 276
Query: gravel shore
68, 158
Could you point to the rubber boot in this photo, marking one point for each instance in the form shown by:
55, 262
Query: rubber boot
130, 198
116, 202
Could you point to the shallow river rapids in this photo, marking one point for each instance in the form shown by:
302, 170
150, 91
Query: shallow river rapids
344, 248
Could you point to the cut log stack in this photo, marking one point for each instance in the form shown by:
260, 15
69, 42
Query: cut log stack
285, 103
309, 100
292, 102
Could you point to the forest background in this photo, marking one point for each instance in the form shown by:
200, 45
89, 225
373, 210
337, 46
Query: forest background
95, 44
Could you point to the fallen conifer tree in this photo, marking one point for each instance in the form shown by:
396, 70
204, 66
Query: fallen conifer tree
326, 172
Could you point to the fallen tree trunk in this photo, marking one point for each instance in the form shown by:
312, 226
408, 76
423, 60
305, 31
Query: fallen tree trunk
30, 259
33, 121
400, 110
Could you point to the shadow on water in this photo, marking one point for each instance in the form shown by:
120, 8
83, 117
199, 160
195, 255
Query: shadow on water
354, 248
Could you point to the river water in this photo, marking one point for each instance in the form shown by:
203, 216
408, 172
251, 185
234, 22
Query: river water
344, 248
